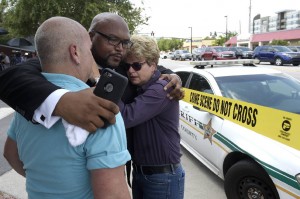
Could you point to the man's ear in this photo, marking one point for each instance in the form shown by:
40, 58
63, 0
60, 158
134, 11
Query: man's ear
74, 55
92, 34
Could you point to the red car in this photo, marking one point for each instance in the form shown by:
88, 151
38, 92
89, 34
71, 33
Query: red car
217, 53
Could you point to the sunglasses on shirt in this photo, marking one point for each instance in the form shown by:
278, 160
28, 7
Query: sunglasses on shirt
135, 65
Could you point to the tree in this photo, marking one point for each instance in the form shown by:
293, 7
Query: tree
23, 17
279, 42
169, 44
220, 41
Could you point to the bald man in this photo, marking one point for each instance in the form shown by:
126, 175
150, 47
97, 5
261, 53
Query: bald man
53, 168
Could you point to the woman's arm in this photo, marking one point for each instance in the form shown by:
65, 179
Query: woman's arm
145, 106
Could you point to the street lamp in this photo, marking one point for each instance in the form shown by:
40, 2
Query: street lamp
226, 28
191, 37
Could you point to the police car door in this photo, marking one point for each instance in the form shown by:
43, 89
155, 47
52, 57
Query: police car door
198, 127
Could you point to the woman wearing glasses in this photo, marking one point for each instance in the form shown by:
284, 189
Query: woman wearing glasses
157, 172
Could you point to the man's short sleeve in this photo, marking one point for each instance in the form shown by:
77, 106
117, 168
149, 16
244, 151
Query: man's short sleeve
107, 148
13, 127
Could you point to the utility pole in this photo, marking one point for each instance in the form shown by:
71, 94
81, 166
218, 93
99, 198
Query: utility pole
191, 37
250, 18
226, 28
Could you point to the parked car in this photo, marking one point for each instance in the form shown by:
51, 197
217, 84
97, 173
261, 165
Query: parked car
277, 55
197, 53
241, 52
169, 55
251, 165
294, 48
217, 53
182, 55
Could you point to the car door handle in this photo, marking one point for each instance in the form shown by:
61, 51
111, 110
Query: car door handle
197, 108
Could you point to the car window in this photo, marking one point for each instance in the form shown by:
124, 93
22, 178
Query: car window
199, 83
276, 91
282, 49
184, 76
208, 50
244, 48
264, 49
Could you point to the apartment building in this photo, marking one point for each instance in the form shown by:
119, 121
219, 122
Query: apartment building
284, 25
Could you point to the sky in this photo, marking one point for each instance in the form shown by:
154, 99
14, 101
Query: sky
172, 18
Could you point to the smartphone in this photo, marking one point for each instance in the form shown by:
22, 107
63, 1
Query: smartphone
111, 85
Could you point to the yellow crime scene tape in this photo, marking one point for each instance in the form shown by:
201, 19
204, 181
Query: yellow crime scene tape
278, 125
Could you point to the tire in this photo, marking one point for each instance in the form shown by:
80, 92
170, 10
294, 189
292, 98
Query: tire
295, 64
246, 179
278, 61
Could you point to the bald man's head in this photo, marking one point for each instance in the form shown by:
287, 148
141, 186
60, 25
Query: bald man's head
64, 46
54, 36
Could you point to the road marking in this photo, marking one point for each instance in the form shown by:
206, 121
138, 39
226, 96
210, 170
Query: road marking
4, 112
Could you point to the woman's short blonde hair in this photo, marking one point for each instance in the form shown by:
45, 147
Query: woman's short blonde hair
144, 47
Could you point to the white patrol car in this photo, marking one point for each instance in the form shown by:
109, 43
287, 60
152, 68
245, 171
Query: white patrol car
251, 164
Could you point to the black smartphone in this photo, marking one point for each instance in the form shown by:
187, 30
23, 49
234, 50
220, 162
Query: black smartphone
111, 85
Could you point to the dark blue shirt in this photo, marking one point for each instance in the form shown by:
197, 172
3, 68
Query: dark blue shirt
155, 119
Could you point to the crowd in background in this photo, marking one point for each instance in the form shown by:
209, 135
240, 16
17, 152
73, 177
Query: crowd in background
15, 58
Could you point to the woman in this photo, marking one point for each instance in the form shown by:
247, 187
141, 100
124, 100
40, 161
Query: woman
157, 172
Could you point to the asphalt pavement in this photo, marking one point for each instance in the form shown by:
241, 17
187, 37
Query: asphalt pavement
12, 186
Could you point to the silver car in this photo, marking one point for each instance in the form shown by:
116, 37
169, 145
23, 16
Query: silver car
182, 55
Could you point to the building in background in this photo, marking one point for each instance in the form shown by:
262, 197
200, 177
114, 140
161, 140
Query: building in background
285, 25
197, 42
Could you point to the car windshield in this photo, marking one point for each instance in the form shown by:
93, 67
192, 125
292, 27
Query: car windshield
275, 91
282, 49
243, 48
185, 51
220, 49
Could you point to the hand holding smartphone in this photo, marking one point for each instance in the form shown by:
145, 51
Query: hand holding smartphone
111, 86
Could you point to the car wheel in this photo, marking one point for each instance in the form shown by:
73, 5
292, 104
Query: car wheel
278, 62
295, 64
247, 179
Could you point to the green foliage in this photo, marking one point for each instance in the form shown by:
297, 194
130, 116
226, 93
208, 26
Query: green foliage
220, 41
169, 44
279, 42
23, 17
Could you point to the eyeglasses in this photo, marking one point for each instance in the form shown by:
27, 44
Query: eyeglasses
115, 41
135, 65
